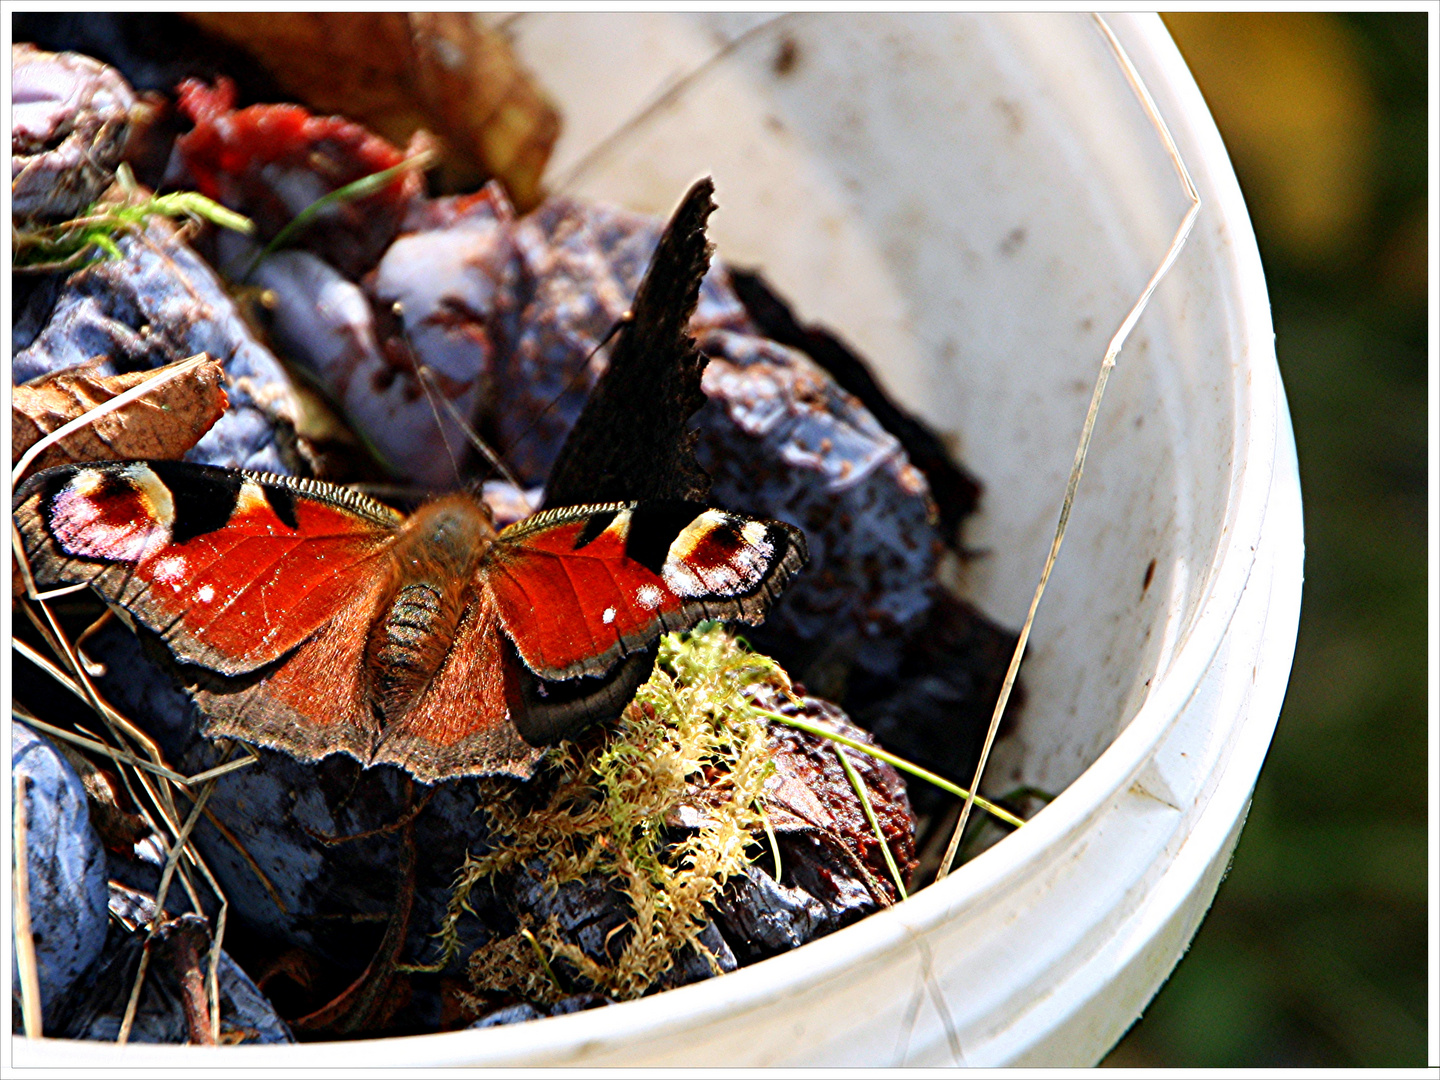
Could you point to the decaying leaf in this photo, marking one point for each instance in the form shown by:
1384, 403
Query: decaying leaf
398, 72
810, 794
163, 424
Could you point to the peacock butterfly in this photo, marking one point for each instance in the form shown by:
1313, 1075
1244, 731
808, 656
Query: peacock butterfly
313, 619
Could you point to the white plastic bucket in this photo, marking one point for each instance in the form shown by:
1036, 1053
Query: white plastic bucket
975, 202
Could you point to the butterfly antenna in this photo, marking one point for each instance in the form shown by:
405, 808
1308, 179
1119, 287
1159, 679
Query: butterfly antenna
426, 375
432, 391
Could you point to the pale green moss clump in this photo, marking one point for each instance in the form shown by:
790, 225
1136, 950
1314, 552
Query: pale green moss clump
689, 739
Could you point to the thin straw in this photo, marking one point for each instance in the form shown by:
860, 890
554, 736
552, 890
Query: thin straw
1176, 244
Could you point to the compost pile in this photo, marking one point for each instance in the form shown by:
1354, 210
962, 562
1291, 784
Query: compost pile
361, 341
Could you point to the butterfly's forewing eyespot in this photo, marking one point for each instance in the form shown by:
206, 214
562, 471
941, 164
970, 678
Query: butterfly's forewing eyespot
733, 562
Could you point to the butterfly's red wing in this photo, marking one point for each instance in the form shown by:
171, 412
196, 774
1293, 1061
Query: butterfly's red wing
582, 590
271, 589
231, 569
320, 702
312, 703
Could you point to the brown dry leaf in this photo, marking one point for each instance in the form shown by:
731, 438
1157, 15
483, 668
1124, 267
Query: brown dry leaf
163, 424
811, 793
396, 73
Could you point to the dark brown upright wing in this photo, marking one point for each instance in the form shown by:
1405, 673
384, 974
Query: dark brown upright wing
632, 443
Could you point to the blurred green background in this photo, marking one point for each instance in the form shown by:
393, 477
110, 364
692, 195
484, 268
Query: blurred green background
1315, 952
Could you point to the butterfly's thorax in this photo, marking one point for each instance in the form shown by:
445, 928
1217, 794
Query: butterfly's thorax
433, 565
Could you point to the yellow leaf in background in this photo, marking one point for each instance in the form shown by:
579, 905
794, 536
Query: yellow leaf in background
1298, 115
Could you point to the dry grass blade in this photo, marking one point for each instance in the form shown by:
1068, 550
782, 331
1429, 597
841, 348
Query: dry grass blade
898, 762
128, 1020
145, 773
774, 841
220, 770
97, 747
117, 723
106, 711
1182, 232
92, 668
93, 745
85, 690
122, 758
172, 860
212, 980
858, 783
664, 98
25, 964
22, 580
55, 594
166, 875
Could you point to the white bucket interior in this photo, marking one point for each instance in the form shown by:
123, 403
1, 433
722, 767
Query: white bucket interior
974, 202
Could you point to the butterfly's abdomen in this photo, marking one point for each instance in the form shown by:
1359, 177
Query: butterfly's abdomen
434, 565
408, 645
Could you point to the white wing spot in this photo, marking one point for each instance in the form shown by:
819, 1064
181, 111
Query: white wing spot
648, 597
206, 594
609, 613
170, 570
